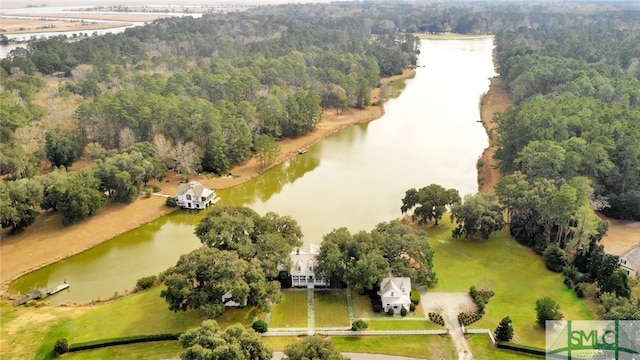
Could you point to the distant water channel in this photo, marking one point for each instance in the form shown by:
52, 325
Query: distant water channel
356, 178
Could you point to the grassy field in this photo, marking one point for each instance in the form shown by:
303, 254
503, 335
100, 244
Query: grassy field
403, 324
291, 311
420, 346
146, 351
29, 333
331, 309
483, 350
515, 273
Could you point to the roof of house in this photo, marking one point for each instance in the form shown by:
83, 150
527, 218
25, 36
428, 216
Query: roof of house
196, 188
307, 249
399, 284
633, 257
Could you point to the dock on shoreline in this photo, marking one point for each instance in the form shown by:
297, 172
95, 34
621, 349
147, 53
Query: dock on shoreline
38, 294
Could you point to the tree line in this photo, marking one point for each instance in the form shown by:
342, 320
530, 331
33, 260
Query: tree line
569, 146
190, 95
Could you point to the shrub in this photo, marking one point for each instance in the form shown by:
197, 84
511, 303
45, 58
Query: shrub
146, 282
359, 325
436, 318
504, 331
148, 193
480, 298
61, 346
412, 307
468, 318
377, 307
555, 259
212, 311
568, 283
260, 326
547, 309
171, 202
390, 312
415, 297
156, 188
403, 312
284, 278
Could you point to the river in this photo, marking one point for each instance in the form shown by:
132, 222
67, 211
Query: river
355, 178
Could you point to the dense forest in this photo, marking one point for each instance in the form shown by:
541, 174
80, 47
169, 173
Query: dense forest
194, 95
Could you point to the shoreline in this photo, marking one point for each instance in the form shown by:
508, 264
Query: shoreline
495, 100
47, 241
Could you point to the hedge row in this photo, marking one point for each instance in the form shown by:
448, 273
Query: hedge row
521, 348
96, 344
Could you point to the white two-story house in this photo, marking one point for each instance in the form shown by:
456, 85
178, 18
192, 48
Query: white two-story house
395, 293
194, 195
303, 263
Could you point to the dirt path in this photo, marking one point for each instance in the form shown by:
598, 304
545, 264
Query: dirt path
48, 241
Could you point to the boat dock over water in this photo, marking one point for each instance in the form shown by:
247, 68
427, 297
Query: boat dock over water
38, 294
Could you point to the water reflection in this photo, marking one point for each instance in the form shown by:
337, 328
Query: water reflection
355, 178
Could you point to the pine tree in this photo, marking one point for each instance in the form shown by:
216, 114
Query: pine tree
504, 331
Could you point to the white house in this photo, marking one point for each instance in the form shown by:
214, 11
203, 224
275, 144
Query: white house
227, 300
194, 195
395, 293
303, 263
630, 261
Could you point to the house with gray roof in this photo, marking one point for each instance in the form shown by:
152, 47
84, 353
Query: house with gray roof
194, 195
630, 261
395, 293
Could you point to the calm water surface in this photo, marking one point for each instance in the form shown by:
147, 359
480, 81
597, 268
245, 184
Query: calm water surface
355, 178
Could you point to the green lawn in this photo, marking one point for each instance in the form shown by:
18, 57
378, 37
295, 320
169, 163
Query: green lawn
291, 311
403, 324
130, 316
419, 346
483, 350
331, 308
137, 314
515, 273
362, 306
145, 351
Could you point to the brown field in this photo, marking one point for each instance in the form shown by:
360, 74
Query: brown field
48, 240
19, 26
496, 100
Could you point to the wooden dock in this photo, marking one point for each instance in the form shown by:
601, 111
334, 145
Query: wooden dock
37, 294
58, 289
